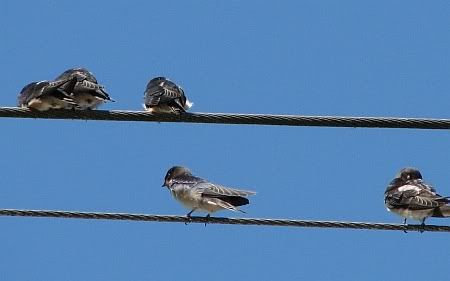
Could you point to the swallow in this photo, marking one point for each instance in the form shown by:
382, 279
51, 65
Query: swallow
198, 194
45, 95
410, 197
164, 96
87, 94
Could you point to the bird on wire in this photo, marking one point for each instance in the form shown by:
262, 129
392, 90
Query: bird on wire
410, 197
45, 95
198, 194
164, 96
87, 93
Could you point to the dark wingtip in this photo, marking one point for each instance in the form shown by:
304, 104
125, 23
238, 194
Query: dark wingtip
235, 200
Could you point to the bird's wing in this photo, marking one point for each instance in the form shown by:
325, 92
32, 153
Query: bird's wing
60, 89
153, 95
62, 86
87, 83
160, 92
414, 197
420, 183
223, 203
215, 190
93, 88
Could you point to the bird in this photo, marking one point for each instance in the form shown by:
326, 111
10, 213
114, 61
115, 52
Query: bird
198, 194
410, 197
164, 96
87, 94
45, 95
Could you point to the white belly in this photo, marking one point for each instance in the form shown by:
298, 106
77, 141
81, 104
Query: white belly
413, 214
191, 200
160, 109
87, 101
46, 103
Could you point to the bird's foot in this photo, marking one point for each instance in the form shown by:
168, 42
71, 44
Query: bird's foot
422, 227
188, 215
405, 226
207, 218
189, 219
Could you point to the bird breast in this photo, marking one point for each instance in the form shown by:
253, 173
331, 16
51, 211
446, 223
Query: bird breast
412, 214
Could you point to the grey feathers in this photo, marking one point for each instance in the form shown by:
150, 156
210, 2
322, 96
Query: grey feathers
87, 94
45, 95
199, 194
212, 190
75, 88
409, 196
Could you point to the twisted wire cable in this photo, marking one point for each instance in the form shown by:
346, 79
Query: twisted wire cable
232, 118
220, 220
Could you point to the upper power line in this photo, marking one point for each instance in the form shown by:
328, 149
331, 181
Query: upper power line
232, 118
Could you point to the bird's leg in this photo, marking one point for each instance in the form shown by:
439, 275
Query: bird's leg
422, 226
207, 218
188, 215
404, 224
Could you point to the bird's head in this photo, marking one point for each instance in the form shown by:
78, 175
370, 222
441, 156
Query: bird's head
157, 81
407, 174
22, 98
175, 172
80, 73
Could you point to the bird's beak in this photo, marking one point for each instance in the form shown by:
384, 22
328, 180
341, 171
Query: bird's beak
164, 184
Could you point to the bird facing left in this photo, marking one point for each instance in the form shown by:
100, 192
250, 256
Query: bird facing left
45, 95
198, 194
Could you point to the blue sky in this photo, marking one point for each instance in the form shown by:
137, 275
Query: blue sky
353, 58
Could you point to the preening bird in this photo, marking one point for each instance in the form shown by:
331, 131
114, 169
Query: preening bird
45, 95
164, 96
410, 197
87, 94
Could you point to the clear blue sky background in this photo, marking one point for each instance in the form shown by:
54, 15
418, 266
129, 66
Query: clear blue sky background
385, 58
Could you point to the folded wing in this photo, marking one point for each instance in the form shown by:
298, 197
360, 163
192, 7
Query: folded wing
226, 197
415, 197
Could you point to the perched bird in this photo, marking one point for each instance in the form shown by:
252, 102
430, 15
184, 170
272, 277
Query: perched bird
45, 95
87, 94
164, 96
198, 194
410, 197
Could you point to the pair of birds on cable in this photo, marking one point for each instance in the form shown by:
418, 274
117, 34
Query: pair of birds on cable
78, 89
409, 196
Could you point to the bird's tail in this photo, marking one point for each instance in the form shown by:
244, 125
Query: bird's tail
189, 104
442, 212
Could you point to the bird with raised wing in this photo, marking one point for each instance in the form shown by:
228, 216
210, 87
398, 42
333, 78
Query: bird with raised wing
410, 197
164, 96
45, 95
198, 194
87, 94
